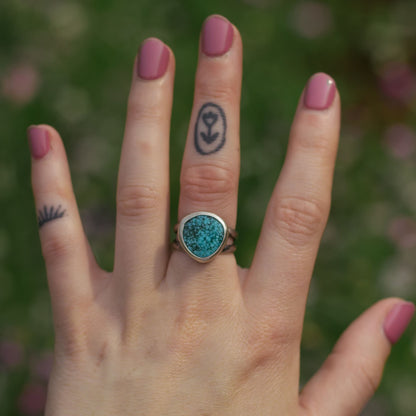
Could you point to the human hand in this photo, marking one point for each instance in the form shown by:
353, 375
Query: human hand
164, 335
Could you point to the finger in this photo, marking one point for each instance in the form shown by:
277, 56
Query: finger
351, 374
142, 239
211, 162
299, 207
67, 254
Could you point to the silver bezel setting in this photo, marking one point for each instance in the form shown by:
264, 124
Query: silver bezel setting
181, 226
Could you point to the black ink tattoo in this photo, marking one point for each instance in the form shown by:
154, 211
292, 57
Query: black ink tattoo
50, 214
210, 129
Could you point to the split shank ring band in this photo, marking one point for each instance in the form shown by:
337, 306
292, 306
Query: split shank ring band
203, 235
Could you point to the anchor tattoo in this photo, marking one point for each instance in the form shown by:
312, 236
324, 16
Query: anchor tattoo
210, 129
209, 120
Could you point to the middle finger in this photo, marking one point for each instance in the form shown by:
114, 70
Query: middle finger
211, 162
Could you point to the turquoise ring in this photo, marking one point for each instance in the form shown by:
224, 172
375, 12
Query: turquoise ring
203, 236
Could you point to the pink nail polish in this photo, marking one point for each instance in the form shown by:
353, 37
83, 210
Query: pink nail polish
320, 92
39, 142
397, 320
153, 59
217, 36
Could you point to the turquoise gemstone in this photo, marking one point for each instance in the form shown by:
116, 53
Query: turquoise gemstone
203, 235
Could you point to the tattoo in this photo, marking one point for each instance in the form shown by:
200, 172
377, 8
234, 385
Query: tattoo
50, 214
210, 129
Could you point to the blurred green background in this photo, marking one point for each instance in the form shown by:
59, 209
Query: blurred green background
68, 63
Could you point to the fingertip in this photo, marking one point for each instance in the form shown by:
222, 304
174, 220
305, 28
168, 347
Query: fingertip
217, 36
320, 92
153, 59
39, 141
219, 39
369, 326
397, 320
52, 131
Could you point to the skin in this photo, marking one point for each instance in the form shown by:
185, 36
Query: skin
164, 335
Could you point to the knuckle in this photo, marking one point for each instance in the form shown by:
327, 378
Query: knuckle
364, 372
194, 320
315, 121
56, 246
298, 219
190, 329
137, 200
369, 376
316, 144
262, 345
219, 91
269, 334
316, 139
52, 188
138, 111
72, 347
207, 183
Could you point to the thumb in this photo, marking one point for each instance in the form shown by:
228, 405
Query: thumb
353, 370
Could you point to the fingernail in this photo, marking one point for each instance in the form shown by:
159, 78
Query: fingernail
320, 92
217, 36
38, 141
153, 59
397, 320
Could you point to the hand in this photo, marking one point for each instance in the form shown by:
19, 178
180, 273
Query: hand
165, 335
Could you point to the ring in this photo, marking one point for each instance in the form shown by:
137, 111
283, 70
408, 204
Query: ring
203, 235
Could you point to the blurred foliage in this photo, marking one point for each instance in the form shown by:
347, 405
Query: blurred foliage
68, 64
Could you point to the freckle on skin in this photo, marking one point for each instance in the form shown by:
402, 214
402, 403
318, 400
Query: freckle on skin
153, 350
101, 355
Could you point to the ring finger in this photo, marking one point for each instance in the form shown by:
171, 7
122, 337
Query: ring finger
211, 162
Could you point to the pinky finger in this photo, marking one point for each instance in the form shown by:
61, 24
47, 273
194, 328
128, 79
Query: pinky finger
352, 372
65, 249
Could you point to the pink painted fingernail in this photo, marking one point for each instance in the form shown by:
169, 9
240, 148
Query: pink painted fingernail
39, 142
153, 59
397, 320
217, 36
320, 92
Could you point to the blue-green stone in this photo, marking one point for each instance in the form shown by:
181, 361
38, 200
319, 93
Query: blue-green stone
203, 235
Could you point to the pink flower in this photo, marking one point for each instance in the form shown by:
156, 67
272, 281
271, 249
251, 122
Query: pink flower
20, 84
402, 231
400, 141
398, 82
32, 399
11, 353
